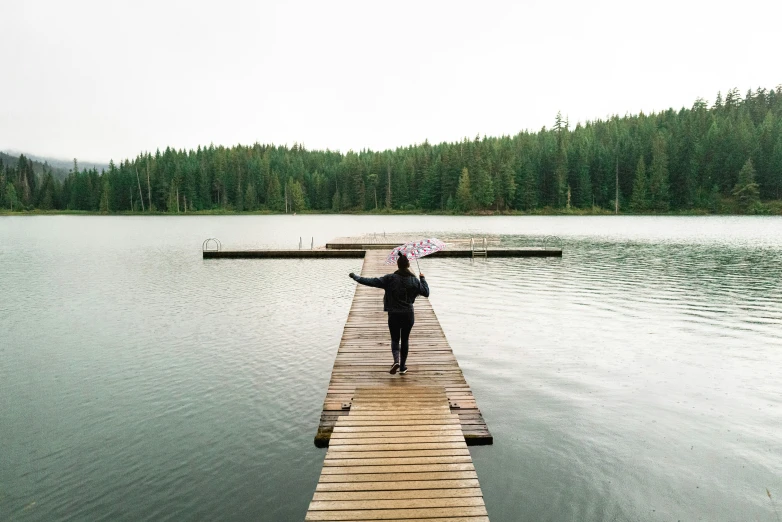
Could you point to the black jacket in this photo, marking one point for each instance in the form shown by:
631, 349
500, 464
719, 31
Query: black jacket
401, 290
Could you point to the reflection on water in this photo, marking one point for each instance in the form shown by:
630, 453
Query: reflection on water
636, 378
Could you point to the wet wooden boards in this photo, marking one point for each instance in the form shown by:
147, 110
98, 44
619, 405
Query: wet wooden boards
364, 358
399, 454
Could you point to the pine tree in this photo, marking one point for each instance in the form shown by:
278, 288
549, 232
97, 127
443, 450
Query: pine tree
3, 181
239, 196
561, 161
22, 169
274, 198
10, 196
171, 204
560, 180
775, 190
250, 197
485, 187
47, 198
718, 101
204, 183
463, 192
659, 197
640, 197
584, 195
336, 201
388, 186
528, 187
104, 198
746, 190
372, 180
296, 195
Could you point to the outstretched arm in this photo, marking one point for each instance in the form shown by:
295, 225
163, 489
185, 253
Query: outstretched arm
377, 282
423, 286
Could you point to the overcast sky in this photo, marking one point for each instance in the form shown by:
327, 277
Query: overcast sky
107, 79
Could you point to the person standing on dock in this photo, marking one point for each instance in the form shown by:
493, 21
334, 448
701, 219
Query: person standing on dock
401, 289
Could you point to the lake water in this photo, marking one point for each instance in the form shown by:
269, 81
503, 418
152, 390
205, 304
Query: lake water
637, 378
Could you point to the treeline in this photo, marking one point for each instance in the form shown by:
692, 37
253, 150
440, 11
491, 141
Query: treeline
723, 158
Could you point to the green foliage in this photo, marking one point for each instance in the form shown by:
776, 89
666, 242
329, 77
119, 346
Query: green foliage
640, 199
251, 197
172, 205
463, 193
10, 196
508, 191
274, 196
485, 195
528, 193
296, 196
746, 190
691, 158
659, 196
336, 202
104, 198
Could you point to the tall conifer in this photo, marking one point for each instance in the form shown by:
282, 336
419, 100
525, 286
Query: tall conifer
463, 192
640, 198
746, 189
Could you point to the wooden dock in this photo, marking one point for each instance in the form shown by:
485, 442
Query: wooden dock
318, 253
364, 357
352, 247
397, 443
352, 250
400, 454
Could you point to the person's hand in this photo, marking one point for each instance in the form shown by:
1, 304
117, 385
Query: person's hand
421, 275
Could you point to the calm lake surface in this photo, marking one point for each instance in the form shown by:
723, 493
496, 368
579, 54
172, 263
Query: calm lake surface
638, 378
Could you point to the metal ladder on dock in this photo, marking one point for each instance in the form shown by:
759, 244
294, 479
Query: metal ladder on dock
479, 249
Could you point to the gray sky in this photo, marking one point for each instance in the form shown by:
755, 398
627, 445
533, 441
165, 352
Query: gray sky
107, 79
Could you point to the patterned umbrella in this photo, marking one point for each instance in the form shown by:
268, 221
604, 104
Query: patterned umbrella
415, 250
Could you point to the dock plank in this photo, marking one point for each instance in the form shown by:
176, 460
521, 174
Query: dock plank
400, 485
397, 514
376, 471
397, 494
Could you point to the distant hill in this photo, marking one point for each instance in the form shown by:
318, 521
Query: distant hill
59, 167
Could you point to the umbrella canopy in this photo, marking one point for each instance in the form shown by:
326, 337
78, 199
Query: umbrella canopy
415, 250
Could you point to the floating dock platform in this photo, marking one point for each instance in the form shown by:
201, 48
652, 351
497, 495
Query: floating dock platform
352, 248
318, 253
356, 252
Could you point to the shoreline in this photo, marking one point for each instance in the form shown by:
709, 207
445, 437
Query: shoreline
775, 209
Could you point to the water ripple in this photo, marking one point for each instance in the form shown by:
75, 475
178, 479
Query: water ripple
636, 378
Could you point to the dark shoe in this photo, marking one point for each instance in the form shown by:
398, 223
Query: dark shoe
403, 371
394, 368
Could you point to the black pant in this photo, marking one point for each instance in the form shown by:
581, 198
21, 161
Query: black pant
400, 324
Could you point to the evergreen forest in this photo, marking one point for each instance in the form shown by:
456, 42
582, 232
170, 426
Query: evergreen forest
723, 158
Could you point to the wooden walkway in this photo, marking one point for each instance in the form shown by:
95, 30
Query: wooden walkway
399, 454
364, 357
356, 247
